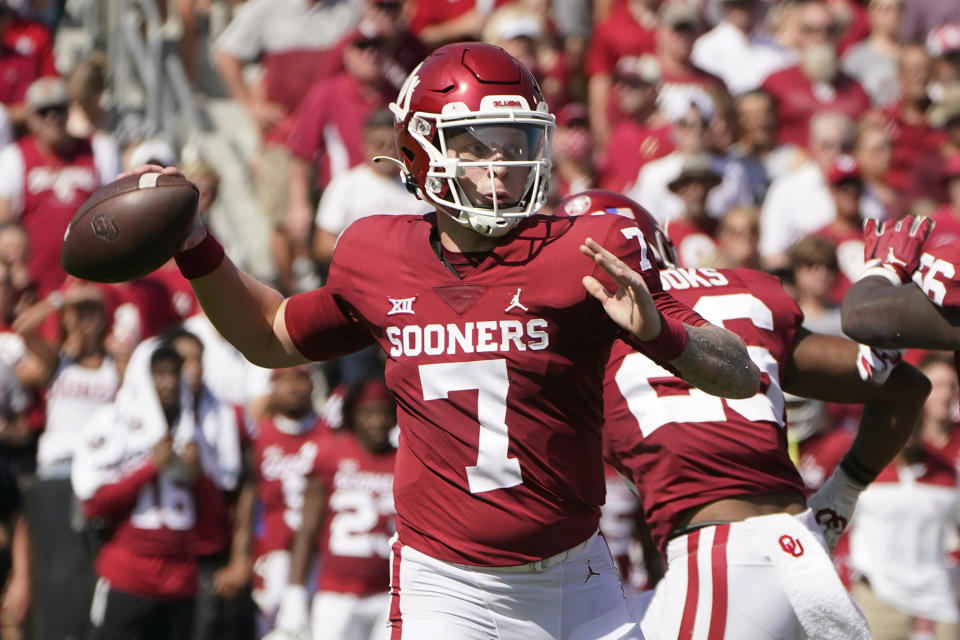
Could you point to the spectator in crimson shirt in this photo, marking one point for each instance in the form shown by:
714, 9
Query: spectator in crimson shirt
629, 30
947, 216
816, 83
643, 134
328, 135
440, 23
914, 139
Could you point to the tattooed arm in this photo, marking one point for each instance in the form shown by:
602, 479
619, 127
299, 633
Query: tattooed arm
712, 359
716, 361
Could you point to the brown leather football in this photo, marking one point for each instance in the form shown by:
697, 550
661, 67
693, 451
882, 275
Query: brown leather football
129, 228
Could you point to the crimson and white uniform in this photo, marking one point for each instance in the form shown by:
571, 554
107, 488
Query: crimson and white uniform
498, 378
284, 452
352, 587
684, 448
939, 276
45, 190
154, 513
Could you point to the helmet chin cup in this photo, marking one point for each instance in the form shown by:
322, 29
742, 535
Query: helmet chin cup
487, 225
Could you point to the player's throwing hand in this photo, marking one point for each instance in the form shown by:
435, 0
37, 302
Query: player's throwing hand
631, 306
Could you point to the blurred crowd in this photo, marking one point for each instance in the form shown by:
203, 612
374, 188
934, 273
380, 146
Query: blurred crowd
759, 133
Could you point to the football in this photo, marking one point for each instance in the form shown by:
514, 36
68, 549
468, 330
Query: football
129, 228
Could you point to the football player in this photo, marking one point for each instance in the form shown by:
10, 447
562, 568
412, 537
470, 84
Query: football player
348, 510
722, 498
496, 335
285, 448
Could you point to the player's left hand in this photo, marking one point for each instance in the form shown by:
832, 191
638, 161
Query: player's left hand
833, 505
631, 306
894, 250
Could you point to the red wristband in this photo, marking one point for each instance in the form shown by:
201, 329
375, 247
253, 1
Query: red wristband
202, 259
668, 345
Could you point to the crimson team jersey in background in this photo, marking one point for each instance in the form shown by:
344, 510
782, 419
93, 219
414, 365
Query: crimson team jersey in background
683, 447
355, 549
939, 278
283, 459
497, 376
53, 190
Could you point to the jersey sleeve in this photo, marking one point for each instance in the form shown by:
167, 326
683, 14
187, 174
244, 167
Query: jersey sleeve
626, 242
323, 327
938, 276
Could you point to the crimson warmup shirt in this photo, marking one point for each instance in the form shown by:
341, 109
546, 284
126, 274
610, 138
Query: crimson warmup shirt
54, 188
616, 37
684, 448
820, 454
328, 126
797, 100
17, 71
497, 377
283, 461
355, 547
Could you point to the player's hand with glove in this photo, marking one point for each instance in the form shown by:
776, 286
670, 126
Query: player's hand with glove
875, 364
293, 616
893, 250
834, 502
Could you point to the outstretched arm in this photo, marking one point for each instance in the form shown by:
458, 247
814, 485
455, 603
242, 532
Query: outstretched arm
825, 368
878, 313
712, 359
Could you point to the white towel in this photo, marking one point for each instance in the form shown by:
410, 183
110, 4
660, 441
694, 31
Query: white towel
822, 604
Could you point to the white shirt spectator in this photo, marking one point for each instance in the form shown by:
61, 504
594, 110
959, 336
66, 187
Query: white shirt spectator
361, 192
798, 204
652, 192
897, 542
74, 394
741, 61
287, 25
873, 69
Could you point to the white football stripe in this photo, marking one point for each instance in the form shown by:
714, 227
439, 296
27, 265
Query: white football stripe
149, 180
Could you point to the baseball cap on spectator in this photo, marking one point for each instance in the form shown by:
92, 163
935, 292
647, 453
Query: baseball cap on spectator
152, 151
696, 166
947, 109
943, 39
47, 93
844, 169
510, 22
571, 114
675, 101
634, 70
676, 13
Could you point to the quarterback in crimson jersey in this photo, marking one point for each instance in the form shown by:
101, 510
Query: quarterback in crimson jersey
717, 485
496, 336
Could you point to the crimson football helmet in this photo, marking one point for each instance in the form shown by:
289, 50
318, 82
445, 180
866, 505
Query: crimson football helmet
599, 201
480, 90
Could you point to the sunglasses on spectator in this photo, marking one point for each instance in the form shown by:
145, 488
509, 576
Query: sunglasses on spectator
368, 43
53, 110
388, 6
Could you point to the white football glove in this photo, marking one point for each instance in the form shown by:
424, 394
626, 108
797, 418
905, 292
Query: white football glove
874, 365
293, 616
833, 505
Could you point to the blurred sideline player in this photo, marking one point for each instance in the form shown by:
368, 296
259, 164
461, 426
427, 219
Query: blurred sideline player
721, 495
141, 471
481, 308
285, 449
348, 510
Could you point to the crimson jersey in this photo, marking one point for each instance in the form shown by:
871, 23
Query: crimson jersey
657, 424
820, 454
355, 547
283, 457
497, 376
54, 188
154, 514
